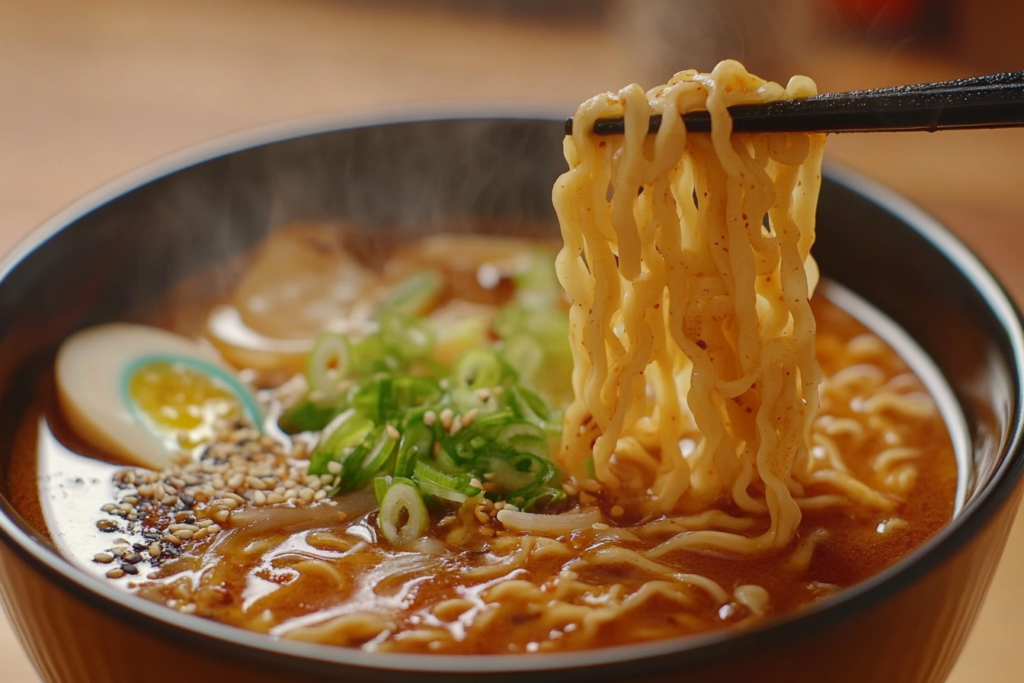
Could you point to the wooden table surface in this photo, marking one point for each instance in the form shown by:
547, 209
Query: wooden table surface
89, 91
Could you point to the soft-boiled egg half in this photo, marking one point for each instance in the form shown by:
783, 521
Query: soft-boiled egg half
144, 394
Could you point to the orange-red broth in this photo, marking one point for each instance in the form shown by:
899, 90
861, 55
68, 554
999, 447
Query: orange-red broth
286, 575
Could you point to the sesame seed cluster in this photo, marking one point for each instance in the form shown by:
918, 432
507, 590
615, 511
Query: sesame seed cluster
193, 501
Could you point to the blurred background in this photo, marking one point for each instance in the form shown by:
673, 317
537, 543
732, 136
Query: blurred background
91, 89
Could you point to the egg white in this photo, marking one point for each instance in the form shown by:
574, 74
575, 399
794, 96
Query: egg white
92, 370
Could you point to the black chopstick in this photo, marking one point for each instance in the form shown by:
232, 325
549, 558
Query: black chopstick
995, 101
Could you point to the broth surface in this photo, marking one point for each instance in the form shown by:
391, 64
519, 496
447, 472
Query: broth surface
321, 573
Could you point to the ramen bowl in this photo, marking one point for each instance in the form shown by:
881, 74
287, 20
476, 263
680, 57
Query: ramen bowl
121, 250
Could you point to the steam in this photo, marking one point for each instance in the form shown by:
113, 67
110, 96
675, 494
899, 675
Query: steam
381, 185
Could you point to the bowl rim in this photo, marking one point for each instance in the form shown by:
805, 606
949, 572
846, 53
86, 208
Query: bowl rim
166, 622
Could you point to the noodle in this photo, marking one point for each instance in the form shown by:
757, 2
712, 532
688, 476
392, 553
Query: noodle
681, 292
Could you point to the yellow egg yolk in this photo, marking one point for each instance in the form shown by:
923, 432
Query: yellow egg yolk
182, 402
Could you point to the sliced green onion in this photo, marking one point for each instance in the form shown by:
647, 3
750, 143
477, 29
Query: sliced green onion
380, 487
344, 432
536, 446
328, 363
370, 354
478, 369
513, 473
310, 416
386, 397
464, 400
367, 459
436, 491
417, 442
455, 338
435, 483
523, 353
518, 429
540, 497
534, 409
410, 393
403, 516
415, 295
406, 336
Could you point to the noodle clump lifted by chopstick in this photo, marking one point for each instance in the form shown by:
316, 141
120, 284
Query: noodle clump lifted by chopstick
687, 263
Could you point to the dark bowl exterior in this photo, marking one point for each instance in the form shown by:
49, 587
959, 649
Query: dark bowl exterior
122, 249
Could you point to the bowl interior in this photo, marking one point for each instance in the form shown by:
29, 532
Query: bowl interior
394, 181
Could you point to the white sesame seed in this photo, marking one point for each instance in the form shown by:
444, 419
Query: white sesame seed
446, 418
104, 558
155, 549
184, 534
393, 433
599, 526
258, 498
429, 418
320, 495
483, 394
307, 494
468, 418
456, 425
275, 499
334, 467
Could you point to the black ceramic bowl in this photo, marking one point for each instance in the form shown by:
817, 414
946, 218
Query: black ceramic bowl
121, 249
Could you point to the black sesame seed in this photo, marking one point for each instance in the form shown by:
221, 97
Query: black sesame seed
130, 569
